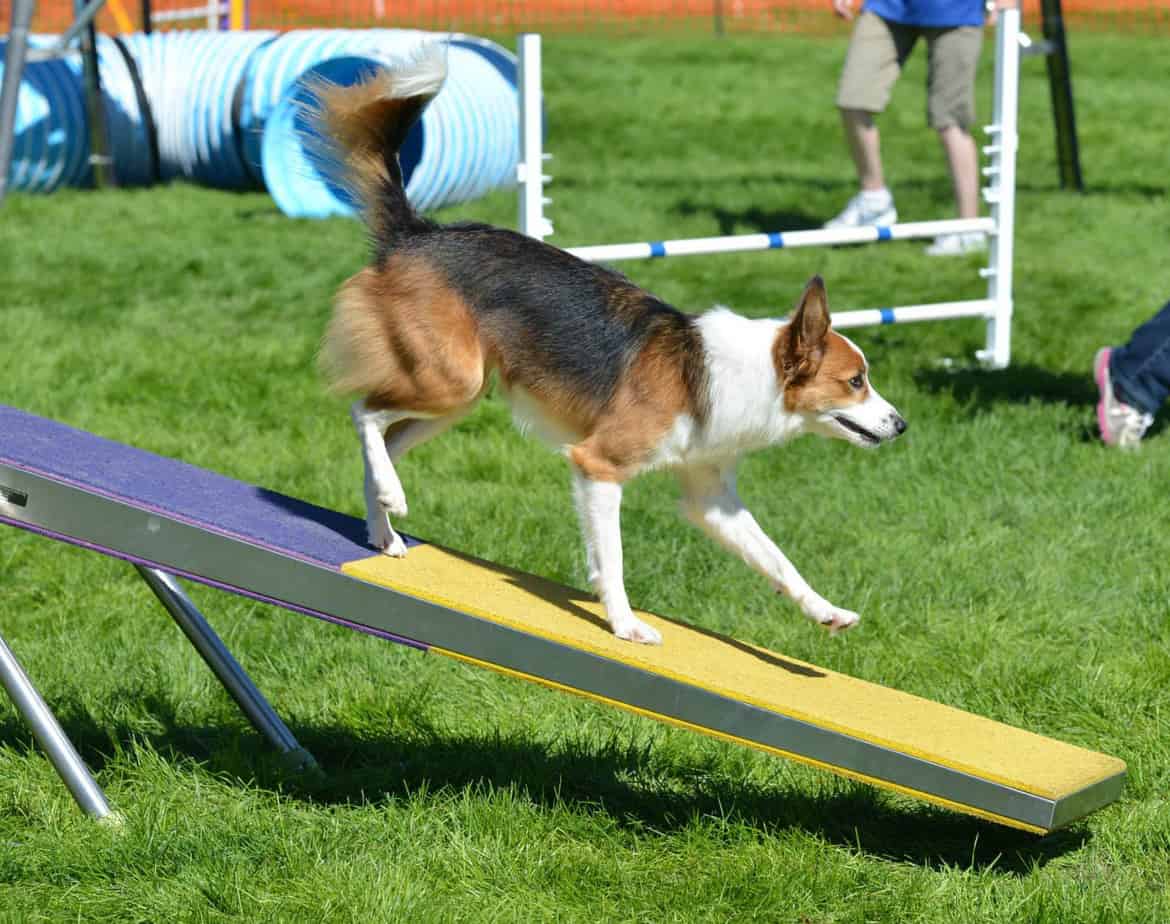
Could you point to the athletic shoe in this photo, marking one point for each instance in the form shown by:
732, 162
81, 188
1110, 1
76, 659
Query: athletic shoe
955, 245
866, 209
1121, 425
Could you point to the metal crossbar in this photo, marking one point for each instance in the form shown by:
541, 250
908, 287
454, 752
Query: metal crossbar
776, 240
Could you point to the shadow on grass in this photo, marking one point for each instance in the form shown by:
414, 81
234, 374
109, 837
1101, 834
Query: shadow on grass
625, 784
982, 389
733, 221
1146, 190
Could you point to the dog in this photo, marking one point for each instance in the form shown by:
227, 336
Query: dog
616, 379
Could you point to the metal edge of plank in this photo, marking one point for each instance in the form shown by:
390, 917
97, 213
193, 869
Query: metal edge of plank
1085, 801
118, 527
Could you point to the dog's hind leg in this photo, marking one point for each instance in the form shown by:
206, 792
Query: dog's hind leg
385, 437
599, 507
420, 429
383, 489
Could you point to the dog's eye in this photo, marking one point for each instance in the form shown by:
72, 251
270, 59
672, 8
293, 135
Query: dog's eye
857, 381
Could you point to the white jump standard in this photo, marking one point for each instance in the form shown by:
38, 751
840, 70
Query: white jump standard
999, 193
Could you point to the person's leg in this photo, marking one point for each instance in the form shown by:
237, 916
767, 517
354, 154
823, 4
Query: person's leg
963, 161
952, 59
877, 50
953, 56
865, 146
1141, 368
1133, 382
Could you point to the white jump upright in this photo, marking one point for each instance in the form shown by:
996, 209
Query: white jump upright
530, 169
999, 193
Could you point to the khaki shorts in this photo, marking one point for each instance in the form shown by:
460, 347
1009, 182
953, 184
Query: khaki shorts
879, 48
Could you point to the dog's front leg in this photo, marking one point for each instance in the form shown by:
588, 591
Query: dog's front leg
710, 502
599, 507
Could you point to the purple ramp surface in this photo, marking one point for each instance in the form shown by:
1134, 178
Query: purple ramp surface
185, 492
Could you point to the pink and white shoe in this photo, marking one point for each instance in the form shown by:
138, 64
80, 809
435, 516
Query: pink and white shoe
1121, 425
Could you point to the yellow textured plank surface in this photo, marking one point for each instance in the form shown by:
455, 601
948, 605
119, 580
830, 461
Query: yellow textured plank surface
910, 724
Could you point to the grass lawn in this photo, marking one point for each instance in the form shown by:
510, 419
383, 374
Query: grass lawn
1003, 561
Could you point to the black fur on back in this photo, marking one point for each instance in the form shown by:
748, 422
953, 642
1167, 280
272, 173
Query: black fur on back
582, 323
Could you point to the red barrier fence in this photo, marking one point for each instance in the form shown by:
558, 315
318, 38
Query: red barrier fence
605, 16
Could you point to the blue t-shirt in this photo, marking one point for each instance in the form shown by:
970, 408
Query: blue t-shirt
933, 13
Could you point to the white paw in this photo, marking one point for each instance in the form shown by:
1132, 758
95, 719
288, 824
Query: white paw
396, 548
382, 537
634, 630
837, 620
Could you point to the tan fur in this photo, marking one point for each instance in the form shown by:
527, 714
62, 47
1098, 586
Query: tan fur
404, 339
813, 363
576, 413
829, 386
653, 393
353, 120
354, 116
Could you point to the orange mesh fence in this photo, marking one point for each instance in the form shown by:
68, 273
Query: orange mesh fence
603, 16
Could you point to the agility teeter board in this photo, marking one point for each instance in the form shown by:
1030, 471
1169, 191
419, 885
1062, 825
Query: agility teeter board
82, 489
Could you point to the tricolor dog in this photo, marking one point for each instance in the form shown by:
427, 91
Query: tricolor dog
618, 380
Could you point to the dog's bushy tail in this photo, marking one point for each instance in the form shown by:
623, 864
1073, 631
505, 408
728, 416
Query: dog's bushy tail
357, 131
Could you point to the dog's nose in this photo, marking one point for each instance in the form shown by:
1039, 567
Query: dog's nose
899, 425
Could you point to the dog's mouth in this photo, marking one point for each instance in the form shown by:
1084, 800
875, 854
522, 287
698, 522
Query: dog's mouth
853, 427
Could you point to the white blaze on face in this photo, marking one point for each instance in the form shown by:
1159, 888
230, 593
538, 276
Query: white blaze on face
875, 415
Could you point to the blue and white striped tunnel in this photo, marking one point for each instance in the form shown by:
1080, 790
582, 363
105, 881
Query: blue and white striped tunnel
465, 144
50, 146
190, 80
220, 108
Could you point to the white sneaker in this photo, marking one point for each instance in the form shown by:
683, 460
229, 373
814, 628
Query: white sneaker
955, 245
866, 209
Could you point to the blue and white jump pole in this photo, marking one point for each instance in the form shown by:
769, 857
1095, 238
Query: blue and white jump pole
995, 309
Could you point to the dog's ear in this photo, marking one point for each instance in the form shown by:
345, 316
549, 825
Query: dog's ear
801, 345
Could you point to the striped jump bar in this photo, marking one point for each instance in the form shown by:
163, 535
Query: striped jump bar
781, 239
940, 311
91, 492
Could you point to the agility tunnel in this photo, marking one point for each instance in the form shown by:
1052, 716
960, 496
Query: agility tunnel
224, 109
174, 519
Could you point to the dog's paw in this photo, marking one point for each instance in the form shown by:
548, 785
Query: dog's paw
396, 548
383, 538
837, 620
822, 612
634, 630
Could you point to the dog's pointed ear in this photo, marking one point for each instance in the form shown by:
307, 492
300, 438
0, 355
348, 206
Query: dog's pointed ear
811, 319
801, 345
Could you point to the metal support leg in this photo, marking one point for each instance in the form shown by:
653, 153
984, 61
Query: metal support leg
226, 668
99, 148
1064, 119
22, 12
52, 738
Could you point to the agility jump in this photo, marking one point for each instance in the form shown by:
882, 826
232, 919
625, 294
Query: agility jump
173, 519
995, 309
